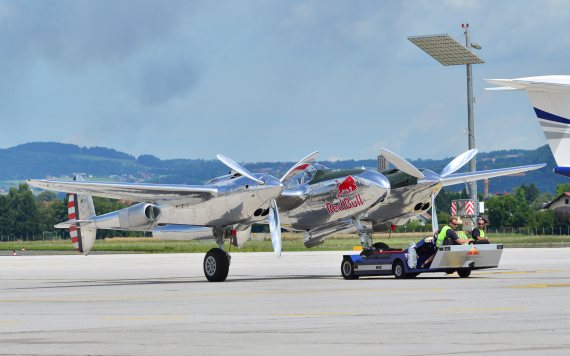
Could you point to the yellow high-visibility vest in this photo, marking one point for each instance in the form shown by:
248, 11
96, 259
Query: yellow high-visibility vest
441, 235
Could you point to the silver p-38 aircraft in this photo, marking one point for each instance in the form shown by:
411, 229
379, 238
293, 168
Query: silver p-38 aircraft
225, 205
310, 197
321, 201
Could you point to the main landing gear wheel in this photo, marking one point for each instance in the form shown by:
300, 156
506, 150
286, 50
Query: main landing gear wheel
463, 273
398, 269
347, 269
216, 265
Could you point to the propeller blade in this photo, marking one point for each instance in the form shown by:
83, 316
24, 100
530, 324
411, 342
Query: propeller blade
434, 222
458, 162
239, 168
300, 166
401, 164
275, 228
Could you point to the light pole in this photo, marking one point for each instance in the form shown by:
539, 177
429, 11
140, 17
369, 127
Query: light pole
448, 51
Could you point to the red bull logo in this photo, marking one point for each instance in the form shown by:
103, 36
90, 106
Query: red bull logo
347, 186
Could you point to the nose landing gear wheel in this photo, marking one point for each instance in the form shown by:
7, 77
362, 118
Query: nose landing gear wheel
216, 265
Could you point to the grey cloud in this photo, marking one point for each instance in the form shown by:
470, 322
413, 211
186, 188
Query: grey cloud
165, 80
73, 32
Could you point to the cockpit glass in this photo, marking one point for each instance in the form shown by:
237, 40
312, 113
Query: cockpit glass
305, 176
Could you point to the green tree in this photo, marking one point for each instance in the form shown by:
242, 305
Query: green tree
51, 213
510, 210
562, 188
545, 220
6, 217
530, 193
26, 218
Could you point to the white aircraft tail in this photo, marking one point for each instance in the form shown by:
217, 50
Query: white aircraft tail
80, 207
550, 98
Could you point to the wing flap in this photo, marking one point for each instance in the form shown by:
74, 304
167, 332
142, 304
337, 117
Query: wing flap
141, 192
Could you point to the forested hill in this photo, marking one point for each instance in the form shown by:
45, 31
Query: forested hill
50, 159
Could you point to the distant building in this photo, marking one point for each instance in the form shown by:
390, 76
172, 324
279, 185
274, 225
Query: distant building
562, 201
382, 163
423, 219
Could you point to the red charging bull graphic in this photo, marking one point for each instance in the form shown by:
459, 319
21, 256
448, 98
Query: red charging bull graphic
347, 186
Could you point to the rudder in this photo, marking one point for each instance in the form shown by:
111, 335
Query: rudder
80, 207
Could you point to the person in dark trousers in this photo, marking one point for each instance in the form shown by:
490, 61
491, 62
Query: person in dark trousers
447, 236
478, 234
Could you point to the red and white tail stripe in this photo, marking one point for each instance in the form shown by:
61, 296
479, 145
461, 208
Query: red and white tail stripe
74, 232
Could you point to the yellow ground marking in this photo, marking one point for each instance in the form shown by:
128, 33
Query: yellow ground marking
479, 310
145, 317
8, 321
523, 272
543, 285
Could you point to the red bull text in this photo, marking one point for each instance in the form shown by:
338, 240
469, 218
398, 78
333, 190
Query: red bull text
344, 204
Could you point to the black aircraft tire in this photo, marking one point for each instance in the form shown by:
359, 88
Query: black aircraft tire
216, 265
347, 269
398, 269
464, 273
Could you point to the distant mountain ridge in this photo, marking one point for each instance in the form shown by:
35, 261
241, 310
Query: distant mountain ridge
52, 159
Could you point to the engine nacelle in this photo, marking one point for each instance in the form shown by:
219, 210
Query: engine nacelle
139, 217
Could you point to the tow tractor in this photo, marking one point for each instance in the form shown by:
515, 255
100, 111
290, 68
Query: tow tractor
385, 261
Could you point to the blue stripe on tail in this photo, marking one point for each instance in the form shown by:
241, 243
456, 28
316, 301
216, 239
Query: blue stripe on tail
551, 117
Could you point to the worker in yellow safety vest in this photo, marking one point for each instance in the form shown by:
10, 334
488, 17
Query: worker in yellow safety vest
448, 236
478, 233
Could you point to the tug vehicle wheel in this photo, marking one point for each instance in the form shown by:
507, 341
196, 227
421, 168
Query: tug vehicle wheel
216, 265
347, 269
464, 273
398, 269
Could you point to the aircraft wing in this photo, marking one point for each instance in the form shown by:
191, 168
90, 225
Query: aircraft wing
473, 176
140, 192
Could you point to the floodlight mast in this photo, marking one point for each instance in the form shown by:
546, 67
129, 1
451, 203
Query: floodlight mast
470, 119
448, 51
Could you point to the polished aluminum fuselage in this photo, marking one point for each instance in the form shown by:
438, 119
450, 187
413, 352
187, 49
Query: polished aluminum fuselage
237, 201
406, 201
326, 202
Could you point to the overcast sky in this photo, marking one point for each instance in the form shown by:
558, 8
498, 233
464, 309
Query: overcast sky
270, 80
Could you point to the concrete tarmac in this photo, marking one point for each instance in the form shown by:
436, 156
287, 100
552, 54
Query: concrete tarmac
298, 304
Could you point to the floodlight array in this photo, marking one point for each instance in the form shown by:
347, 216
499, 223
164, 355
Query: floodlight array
445, 50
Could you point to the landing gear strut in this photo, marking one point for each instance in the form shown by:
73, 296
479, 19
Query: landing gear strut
364, 235
217, 261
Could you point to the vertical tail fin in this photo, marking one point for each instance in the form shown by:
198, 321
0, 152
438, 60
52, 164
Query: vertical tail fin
550, 98
80, 207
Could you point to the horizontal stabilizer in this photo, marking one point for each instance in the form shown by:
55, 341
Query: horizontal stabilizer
67, 224
546, 82
473, 176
